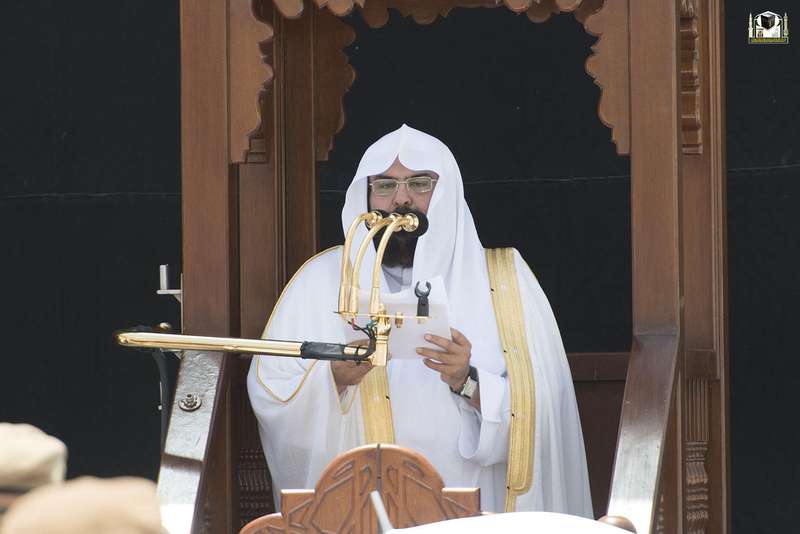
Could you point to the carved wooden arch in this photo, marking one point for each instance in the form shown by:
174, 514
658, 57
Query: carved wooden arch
608, 64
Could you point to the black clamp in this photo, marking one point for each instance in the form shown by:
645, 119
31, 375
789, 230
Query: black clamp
423, 309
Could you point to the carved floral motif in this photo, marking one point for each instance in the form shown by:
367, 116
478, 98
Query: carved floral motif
609, 68
332, 82
690, 80
251, 75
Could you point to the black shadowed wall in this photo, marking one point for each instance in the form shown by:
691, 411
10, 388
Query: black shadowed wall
89, 207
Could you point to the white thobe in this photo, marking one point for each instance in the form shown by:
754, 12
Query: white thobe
304, 423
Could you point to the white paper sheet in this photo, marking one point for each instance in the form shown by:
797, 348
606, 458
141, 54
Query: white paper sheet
404, 340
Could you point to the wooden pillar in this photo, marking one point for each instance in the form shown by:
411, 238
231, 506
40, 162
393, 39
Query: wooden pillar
299, 134
657, 289
206, 181
210, 273
221, 70
277, 217
705, 396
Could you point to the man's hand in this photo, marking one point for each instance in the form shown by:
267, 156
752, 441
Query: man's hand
452, 362
349, 373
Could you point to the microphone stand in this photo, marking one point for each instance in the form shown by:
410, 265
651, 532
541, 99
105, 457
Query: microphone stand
293, 349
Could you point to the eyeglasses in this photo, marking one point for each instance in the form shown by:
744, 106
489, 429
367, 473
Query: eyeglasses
385, 187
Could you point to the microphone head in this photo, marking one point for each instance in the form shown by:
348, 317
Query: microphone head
423, 224
423, 220
383, 214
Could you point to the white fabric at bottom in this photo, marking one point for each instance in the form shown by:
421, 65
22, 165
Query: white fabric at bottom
520, 522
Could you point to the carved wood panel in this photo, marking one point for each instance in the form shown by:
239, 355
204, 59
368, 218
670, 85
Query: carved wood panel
250, 75
412, 490
690, 78
376, 12
695, 453
609, 66
294, 8
414, 493
334, 78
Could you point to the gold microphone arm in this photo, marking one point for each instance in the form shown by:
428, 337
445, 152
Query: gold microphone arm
272, 347
409, 223
380, 322
371, 218
352, 307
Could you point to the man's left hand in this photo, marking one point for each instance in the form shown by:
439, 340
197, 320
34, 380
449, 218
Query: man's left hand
452, 362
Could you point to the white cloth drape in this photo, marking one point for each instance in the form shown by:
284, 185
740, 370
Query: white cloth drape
304, 423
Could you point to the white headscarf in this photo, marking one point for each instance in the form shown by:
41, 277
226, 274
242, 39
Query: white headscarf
450, 248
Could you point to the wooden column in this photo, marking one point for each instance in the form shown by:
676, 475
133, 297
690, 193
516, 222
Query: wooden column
657, 289
262, 235
210, 273
299, 135
221, 73
705, 397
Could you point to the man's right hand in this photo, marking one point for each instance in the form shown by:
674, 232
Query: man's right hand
349, 373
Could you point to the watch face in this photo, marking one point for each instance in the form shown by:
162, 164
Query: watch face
469, 388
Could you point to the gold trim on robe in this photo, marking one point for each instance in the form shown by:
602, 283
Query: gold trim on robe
266, 329
376, 406
511, 326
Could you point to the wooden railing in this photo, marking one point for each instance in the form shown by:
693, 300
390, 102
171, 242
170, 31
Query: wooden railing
649, 392
184, 469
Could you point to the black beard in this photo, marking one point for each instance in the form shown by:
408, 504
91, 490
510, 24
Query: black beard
401, 246
399, 250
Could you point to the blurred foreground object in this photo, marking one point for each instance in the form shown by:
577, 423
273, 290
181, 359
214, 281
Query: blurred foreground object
29, 458
87, 505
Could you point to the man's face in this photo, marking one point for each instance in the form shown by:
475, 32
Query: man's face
401, 246
404, 196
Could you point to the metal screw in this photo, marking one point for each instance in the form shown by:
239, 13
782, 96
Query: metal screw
190, 402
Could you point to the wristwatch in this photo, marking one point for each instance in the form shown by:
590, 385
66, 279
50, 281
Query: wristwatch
470, 384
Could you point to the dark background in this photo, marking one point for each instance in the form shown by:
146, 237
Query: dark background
90, 205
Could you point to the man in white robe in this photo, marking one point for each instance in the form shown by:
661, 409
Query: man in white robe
310, 411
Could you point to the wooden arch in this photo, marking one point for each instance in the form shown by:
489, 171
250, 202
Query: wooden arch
607, 66
259, 112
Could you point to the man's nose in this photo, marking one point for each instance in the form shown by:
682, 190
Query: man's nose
402, 198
